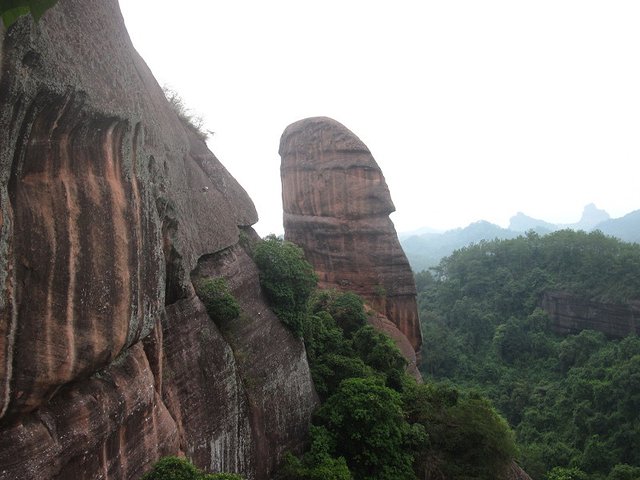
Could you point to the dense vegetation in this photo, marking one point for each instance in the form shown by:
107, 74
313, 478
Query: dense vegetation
175, 468
425, 250
286, 278
573, 401
375, 423
217, 299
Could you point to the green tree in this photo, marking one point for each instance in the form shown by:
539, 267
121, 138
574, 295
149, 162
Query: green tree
173, 468
346, 308
560, 473
466, 438
624, 472
367, 424
572, 399
176, 468
318, 463
287, 279
380, 352
330, 369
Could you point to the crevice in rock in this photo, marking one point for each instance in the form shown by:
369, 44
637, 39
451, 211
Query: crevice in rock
174, 271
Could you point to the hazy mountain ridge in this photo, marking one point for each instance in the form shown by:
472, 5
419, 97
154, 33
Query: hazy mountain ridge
425, 250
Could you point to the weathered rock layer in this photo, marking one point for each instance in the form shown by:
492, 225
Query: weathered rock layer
108, 203
336, 207
570, 315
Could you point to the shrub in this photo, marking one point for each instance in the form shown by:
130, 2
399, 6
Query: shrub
346, 308
287, 279
380, 352
467, 439
559, 473
330, 369
368, 428
218, 300
221, 476
317, 463
175, 468
624, 472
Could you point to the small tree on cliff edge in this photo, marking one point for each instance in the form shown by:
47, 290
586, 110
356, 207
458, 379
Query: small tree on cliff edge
11, 10
287, 279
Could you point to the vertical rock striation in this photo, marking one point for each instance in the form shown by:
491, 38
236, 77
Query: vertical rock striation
336, 207
570, 314
108, 203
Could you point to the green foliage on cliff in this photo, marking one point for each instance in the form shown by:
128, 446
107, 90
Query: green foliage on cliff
286, 278
346, 308
573, 400
176, 468
367, 422
318, 463
221, 305
374, 423
11, 10
467, 438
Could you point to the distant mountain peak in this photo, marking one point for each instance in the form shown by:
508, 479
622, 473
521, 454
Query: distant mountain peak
523, 223
591, 216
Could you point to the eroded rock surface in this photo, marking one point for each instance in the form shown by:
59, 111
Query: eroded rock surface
336, 207
108, 203
570, 315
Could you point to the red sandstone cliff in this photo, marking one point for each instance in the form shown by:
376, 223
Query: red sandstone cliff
336, 207
570, 314
108, 360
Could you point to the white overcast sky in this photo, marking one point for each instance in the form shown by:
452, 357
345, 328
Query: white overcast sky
473, 109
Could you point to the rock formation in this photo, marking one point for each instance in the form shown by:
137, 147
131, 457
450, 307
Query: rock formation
108, 360
336, 207
570, 315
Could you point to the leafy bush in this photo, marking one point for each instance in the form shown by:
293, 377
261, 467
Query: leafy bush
367, 425
176, 468
559, 473
379, 352
466, 438
287, 279
624, 472
346, 308
221, 305
221, 476
173, 468
318, 463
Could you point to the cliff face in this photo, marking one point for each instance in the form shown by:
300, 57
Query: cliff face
108, 360
570, 314
336, 207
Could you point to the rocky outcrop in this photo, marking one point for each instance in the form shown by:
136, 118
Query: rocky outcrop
108, 203
516, 473
570, 314
336, 207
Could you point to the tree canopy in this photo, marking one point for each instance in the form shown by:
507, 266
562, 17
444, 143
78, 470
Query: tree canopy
571, 399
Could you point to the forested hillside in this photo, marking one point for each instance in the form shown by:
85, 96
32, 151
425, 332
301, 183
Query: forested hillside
573, 401
425, 249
